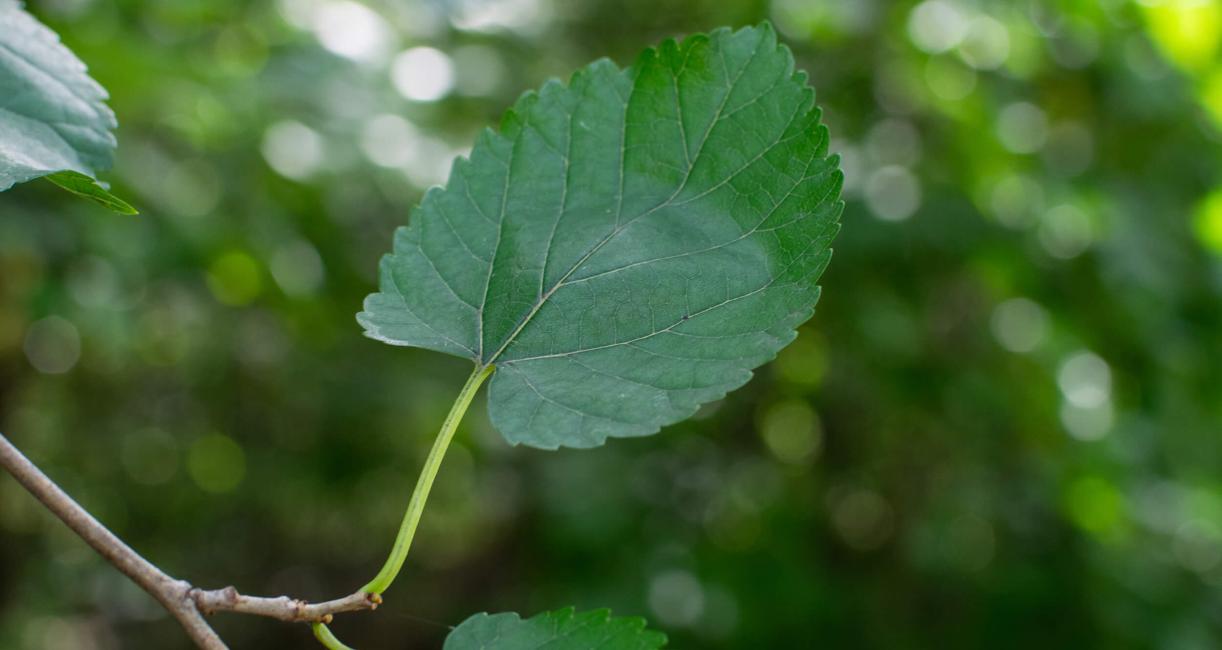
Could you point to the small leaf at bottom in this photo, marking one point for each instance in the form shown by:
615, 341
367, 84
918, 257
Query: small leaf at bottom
562, 629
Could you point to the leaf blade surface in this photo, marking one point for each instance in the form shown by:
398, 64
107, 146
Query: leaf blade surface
628, 246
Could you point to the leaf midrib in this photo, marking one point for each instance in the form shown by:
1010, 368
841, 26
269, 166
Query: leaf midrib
619, 228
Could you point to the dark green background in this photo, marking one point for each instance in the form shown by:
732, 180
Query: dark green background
1003, 427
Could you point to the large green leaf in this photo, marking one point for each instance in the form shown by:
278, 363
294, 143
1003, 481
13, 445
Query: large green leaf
558, 630
629, 246
53, 116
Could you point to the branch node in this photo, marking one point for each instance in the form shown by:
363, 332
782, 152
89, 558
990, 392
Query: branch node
196, 596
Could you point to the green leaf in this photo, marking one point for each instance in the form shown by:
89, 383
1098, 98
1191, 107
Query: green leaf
84, 186
53, 117
557, 630
629, 246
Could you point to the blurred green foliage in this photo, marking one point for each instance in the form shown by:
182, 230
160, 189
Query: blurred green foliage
1002, 428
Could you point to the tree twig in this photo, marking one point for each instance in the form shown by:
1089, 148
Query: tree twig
185, 602
283, 608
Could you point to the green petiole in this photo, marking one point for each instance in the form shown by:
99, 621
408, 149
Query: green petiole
324, 636
415, 507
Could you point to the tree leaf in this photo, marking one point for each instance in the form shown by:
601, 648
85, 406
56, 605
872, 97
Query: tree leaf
86, 187
629, 246
53, 116
557, 630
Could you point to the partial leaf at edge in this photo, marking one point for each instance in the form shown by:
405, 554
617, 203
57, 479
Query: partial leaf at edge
629, 246
53, 116
84, 186
557, 630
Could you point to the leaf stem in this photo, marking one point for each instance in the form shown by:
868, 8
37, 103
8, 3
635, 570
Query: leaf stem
325, 637
415, 507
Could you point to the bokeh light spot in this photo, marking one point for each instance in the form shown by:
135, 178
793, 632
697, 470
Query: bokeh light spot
293, 149
216, 463
1087, 422
1070, 148
802, 19
1022, 127
1189, 32
479, 71
297, 268
1075, 46
389, 140
1019, 325
893, 193
987, 44
936, 26
93, 282
352, 30
241, 51
1066, 231
863, 518
53, 345
1016, 200
803, 362
948, 79
791, 431
894, 142
1208, 222
522, 16
1085, 379
235, 278
676, 598
423, 74
1093, 504
298, 13
194, 188
430, 162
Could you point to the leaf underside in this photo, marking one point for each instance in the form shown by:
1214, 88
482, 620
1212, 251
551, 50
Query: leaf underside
629, 246
53, 116
557, 630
